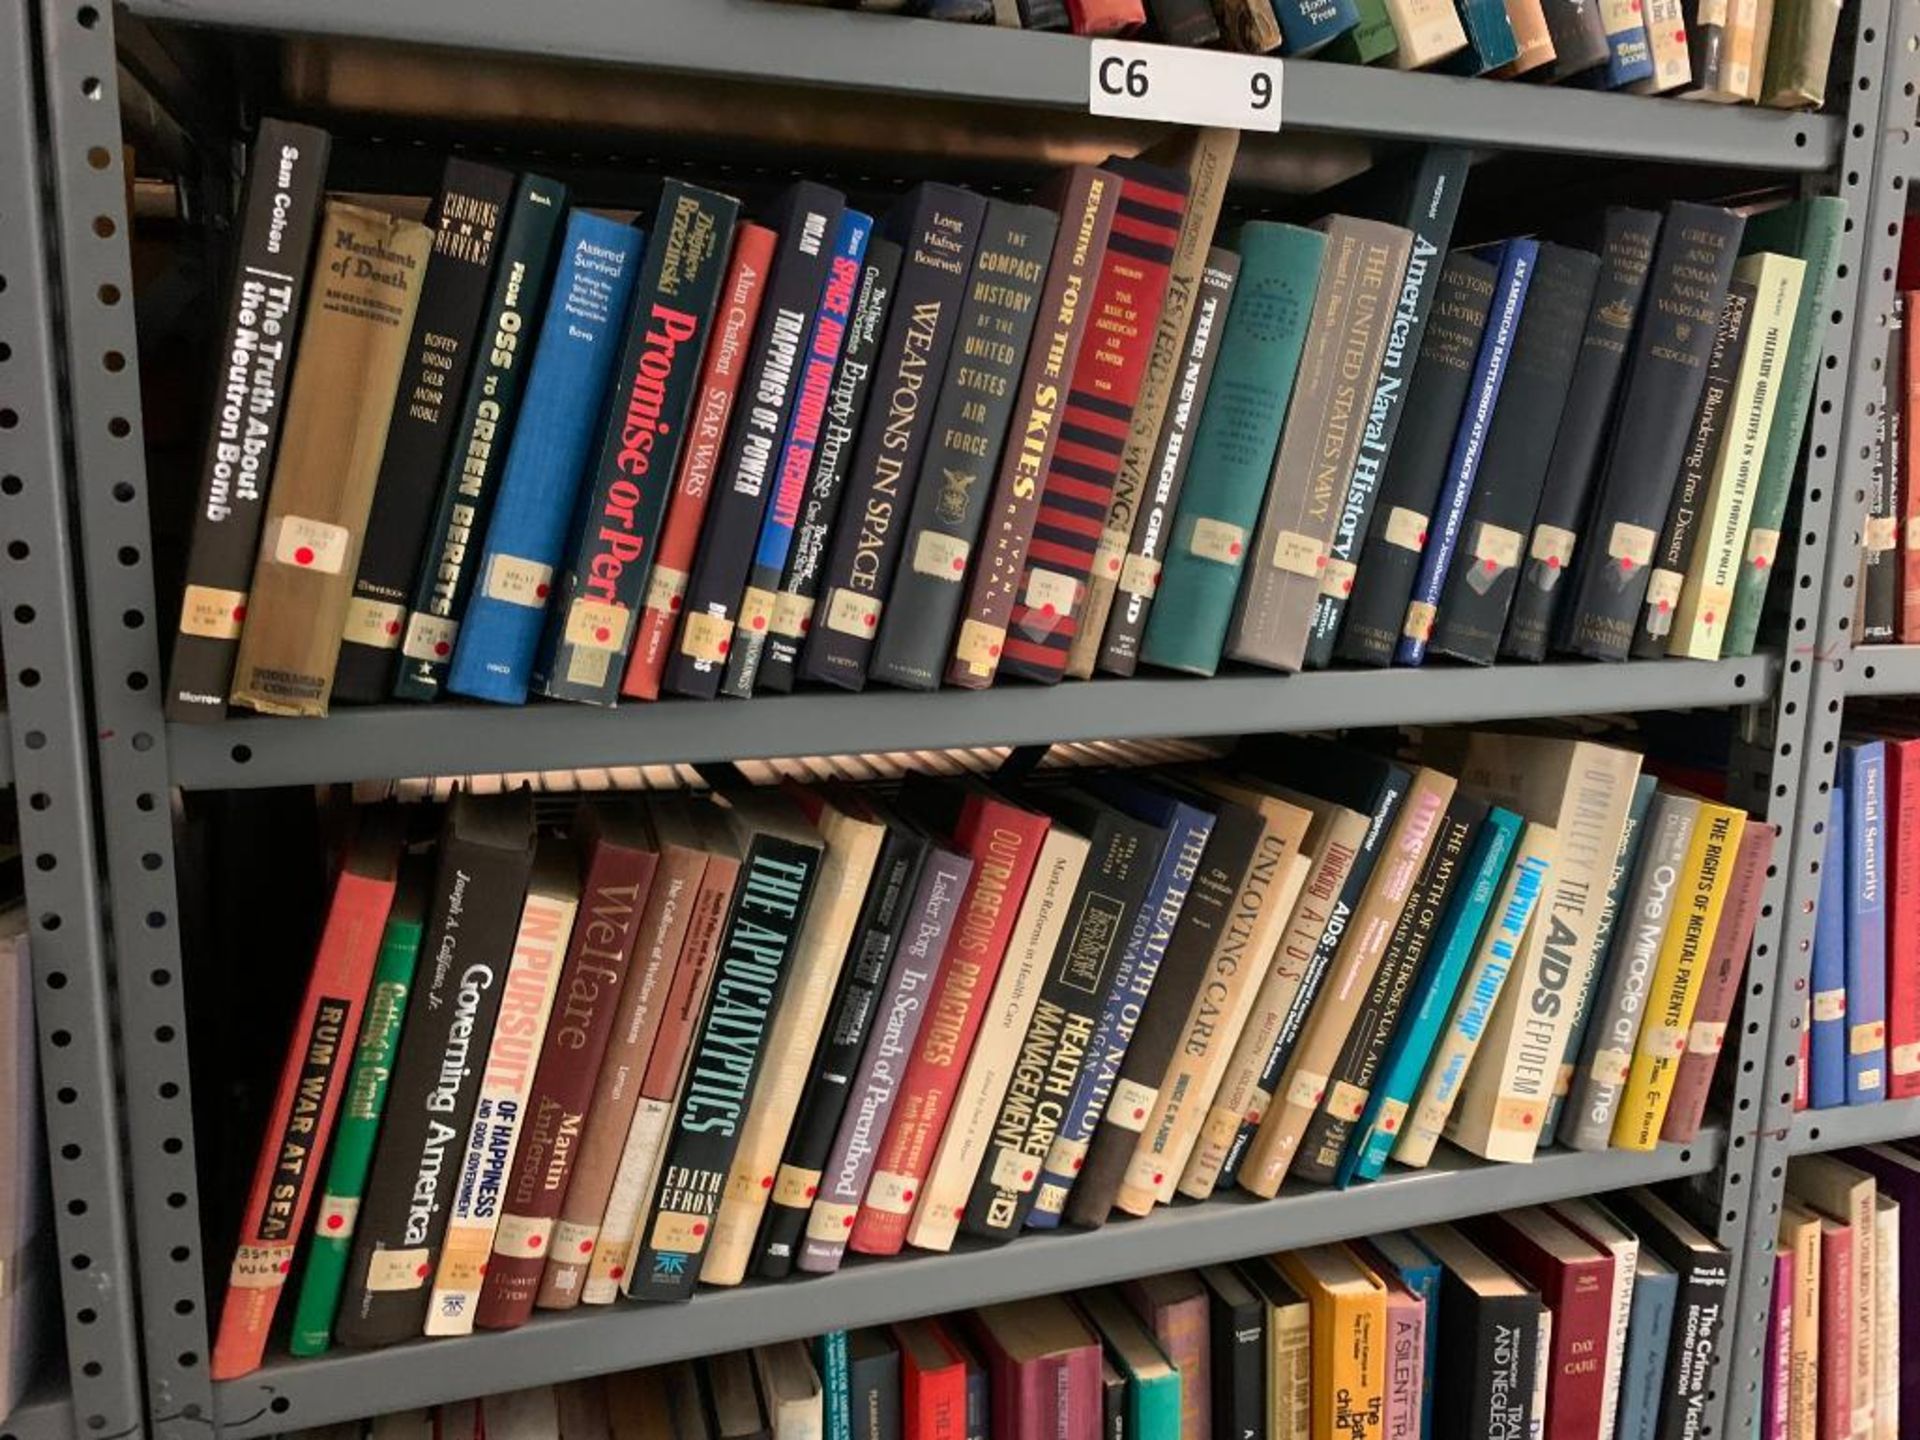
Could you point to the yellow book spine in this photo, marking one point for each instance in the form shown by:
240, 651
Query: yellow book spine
1676, 977
1803, 1374
1290, 1374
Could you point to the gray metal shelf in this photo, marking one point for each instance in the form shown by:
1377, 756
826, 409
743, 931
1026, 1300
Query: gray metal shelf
346, 1384
46, 1414
468, 739
6, 752
752, 40
1844, 1125
1883, 670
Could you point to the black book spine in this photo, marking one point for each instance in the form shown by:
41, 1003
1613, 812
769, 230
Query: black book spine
763, 928
1325, 1139
1184, 22
1579, 36
1043, 14
1121, 860
278, 219
1473, 606
846, 403
873, 1382
896, 874
590, 624
1880, 577
466, 224
1397, 536
1140, 571
1685, 292
1239, 1368
1113, 1403
470, 478
1626, 253
1487, 1361
807, 220
486, 855
937, 227
1698, 1314
963, 454
1203, 919
1434, 201
1682, 530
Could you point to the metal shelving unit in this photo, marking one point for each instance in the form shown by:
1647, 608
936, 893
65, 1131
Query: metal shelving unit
139, 759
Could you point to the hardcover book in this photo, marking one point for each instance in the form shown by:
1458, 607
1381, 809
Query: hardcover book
1348, 1303
465, 221
1238, 1362
1903, 919
1655, 1290
1175, 1308
279, 216
1487, 1343
1590, 1220
1490, 38
353, 348
1152, 1384
1044, 1365
1877, 606
1827, 972
1863, 775
1309, 24
1700, 1306
1574, 1278
1289, 1328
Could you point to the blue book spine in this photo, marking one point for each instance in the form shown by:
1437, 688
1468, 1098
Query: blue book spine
1517, 262
836, 1397
1306, 25
1490, 42
1420, 1273
1629, 56
1188, 828
1827, 1072
1864, 774
1644, 1362
1431, 1002
559, 421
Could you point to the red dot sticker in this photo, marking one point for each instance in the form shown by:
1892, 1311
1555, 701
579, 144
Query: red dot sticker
1526, 1117
766, 1182
539, 592
871, 621
1679, 37
602, 634
534, 1242
334, 1222
958, 564
1346, 587
846, 1222
1047, 611
1319, 562
1158, 1177
1553, 562
812, 1190
1665, 606
1491, 565
616, 1271
806, 624
700, 1228
759, 622
1253, 1117
1139, 1112
1708, 617
1626, 564
906, 1194
1234, 548
239, 612
285, 1266
959, 1212
673, 602
393, 627
1759, 562
1421, 538
1078, 1162
586, 1247
722, 647
420, 1272
303, 556
1389, 1124
1025, 1176
993, 653
1113, 564
441, 647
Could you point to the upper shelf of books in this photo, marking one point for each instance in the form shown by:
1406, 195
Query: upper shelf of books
939, 64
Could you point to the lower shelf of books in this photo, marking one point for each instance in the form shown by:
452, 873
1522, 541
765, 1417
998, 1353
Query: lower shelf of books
1844, 1125
288, 1394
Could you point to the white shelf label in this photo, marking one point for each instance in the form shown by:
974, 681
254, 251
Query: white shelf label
1183, 87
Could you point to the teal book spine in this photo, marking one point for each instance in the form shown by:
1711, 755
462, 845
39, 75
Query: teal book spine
1153, 1406
1432, 1000
1809, 230
1234, 447
836, 1394
1490, 42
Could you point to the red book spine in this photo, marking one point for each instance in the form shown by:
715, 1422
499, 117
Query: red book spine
1105, 17
1779, 1372
934, 1399
1903, 920
1909, 618
1726, 963
1003, 841
680, 534
1835, 1419
311, 1081
1106, 384
586, 999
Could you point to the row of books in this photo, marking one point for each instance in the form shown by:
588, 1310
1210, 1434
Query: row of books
1775, 54
1586, 1320
1835, 1345
752, 1034
980, 439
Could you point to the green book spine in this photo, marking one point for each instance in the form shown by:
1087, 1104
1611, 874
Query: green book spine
1153, 1406
1810, 230
1372, 39
353, 1137
1234, 448
830, 1360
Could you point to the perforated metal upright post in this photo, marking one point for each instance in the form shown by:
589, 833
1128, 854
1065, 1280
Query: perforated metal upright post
49, 755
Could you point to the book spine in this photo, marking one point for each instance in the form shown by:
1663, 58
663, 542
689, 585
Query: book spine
526, 1004
1309, 24
587, 996
1903, 920
1239, 1369
279, 217
1687, 288
489, 409
1086, 220
571, 371
1667, 48
1208, 157
1105, 17
1532, 36
658, 944
1827, 1023
1184, 22
353, 347
871, 1098
969, 428
763, 929
1139, 577
480, 884
1645, 1360
288, 1164
846, 403
633, 1181
1866, 922
1626, 255
465, 223
1043, 14
352, 1156
1005, 845
939, 233
1410, 481
1406, 1346
1579, 36
1233, 448
1490, 38
1153, 926
740, 489
1629, 57
1709, 51
1479, 588
1732, 938
1339, 365
875, 1384
830, 1364
774, 548
1517, 266
797, 1182
590, 626
1880, 577
1836, 1416
726, 360
1435, 203
1697, 1319
1704, 446
1372, 38
1909, 527
1050, 608
1143, 1070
